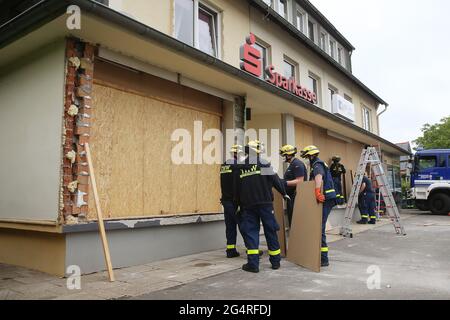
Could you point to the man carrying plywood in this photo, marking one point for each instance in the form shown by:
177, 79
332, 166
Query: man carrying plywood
324, 191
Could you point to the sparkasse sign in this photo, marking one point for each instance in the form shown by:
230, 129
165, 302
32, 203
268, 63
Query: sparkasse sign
251, 63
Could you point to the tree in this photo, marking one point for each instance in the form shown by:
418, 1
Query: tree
436, 136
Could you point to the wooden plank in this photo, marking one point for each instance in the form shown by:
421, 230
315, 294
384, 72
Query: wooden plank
101, 224
305, 236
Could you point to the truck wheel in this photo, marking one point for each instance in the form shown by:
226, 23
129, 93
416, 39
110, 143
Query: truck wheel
422, 205
440, 203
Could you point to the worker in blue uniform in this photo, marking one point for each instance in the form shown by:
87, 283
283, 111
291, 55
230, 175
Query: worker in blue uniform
295, 174
256, 180
337, 171
228, 179
367, 202
324, 192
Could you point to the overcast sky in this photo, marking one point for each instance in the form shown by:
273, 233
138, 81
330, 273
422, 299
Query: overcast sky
402, 54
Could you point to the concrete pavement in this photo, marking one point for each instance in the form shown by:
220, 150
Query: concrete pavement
413, 267
416, 266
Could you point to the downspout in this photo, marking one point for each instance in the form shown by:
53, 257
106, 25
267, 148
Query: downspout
385, 109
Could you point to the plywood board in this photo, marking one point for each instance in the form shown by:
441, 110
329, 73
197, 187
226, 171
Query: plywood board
131, 147
279, 216
305, 236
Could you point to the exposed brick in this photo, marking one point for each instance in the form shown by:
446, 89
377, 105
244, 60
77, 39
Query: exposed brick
83, 188
89, 51
87, 64
67, 211
89, 73
82, 130
80, 168
83, 179
67, 178
83, 80
83, 139
67, 171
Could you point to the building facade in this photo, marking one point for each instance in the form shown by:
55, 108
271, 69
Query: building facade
123, 76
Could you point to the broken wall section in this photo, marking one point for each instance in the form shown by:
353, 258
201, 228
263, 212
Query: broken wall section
76, 130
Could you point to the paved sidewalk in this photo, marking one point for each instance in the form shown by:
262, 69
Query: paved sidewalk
18, 283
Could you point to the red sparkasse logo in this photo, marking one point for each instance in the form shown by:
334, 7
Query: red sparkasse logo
251, 57
251, 63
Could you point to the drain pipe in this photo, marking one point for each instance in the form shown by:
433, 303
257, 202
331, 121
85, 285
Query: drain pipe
385, 109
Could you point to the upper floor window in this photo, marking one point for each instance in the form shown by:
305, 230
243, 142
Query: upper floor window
289, 68
300, 18
264, 49
312, 30
331, 92
323, 41
283, 8
313, 85
367, 118
333, 48
196, 24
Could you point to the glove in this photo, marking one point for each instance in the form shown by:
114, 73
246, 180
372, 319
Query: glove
319, 196
287, 198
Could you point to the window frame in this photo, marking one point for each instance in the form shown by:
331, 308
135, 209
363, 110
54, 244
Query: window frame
315, 30
335, 91
331, 40
295, 66
313, 76
325, 38
216, 12
268, 59
286, 14
298, 9
367, 123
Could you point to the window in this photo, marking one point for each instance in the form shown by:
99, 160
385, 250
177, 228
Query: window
288, 69
207, 30
313, 85
427, 162
331, 92
283, 8
323, 41
442, 161
348, 98
312, 31
300, 21
264, 56
340, 55
367, 121
197, 25
268, 2
333, 49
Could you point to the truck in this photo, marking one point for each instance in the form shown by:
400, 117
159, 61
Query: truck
430, 181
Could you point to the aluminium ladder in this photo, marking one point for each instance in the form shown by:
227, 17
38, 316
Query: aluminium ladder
370, 156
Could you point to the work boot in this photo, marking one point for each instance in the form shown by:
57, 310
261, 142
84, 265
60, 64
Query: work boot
276, 266
232, 254
362, 221
324, 264
247, 268
373, 221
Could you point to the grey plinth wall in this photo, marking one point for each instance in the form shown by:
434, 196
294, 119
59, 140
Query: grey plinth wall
140, 242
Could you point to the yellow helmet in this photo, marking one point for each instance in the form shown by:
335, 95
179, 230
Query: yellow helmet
310, 151
288, 150
237, 149
257, 146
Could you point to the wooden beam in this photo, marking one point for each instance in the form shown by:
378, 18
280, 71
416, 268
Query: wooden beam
99, 215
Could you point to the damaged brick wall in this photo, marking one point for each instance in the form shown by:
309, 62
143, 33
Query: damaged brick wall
76, 130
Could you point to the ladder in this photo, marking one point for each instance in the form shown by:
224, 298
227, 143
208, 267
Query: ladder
370, 156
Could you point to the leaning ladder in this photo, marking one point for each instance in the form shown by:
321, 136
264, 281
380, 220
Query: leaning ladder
370, 156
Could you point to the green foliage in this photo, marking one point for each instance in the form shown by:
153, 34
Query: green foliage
436, 136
